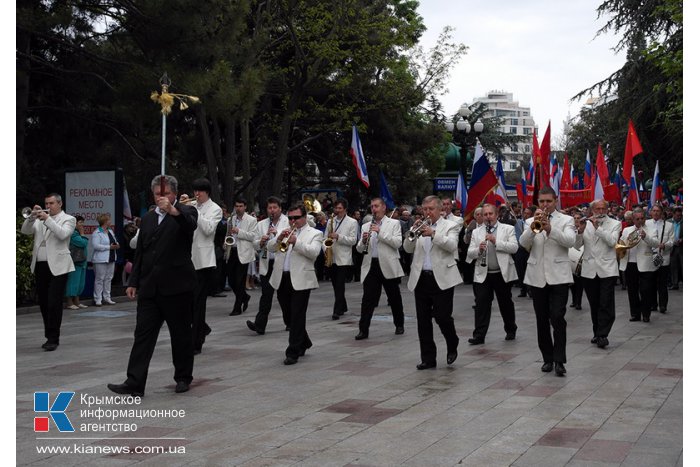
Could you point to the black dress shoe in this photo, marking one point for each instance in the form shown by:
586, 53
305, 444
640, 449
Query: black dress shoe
522, 294
662, 310
361, 335
559, 369
335, 317
578, 307
475, 341
510, 336
197, 351
235, 312
43, 346
652, 308
287, 328
425, 366
290, 361
573, 305
399, 330
646, 320
594, 340
245, 303
182, 386
451, 357
251, 325
634, 318
124, 389
50, 346
547, 367
219, 295
603, 342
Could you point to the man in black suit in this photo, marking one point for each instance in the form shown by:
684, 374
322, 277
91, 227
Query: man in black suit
164, 276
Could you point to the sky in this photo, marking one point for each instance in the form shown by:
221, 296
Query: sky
542, 51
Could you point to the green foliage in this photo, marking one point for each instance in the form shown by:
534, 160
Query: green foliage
25, 279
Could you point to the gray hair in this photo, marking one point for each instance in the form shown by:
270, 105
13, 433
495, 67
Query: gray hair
598, 201
55, 195
431, 198
169, 179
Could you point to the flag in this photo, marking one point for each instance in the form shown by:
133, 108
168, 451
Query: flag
534, 159
554, 175
597, 188
566, 174
587, 171
601, 168
667, 191
358, 157
461, 194
501, 190
126, 209
656, 195
482, 182
384, 192
523, 188
531, 168
633, 193
632, 148
544, 155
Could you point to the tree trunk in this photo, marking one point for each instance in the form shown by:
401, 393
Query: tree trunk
245, 160
282, 150
208, 152
23, 70
230, 161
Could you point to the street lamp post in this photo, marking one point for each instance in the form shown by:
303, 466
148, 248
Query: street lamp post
462, 132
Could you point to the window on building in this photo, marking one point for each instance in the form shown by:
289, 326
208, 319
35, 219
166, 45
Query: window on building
527, 131
513, 130
513, 165
527, 148
526, 114
514, 148
513, 121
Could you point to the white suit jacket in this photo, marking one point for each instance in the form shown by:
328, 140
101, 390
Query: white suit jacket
643, 250
57, 231
599, 248
506, 245
301, 262
667, 240
347, 237
442, 257
549, 254
388, 243
208, 217
246, 237
262, 228
459, 221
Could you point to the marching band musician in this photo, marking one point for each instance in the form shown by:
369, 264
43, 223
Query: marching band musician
268, 231
433, 277
599, 269
548, 274
293, 277
203, 258
242, 227
343, 236
633, 262
447, 205
664, 233
492, 245
163, 276
645, 264
380, 241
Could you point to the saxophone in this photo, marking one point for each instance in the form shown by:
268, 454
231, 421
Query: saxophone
328, 242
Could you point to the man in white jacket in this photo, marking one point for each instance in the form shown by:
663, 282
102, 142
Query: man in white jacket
51, 262
242, 227
343, 237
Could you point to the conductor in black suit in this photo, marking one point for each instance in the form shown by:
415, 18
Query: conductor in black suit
164, 277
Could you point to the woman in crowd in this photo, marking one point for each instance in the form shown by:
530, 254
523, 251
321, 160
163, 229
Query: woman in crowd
76, 279
104, 254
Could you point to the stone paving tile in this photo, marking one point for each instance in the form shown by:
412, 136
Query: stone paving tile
566, 437
603, 450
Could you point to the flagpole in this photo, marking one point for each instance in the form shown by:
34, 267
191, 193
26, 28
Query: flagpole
164, 84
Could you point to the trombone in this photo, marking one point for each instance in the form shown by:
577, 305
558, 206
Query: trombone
415, 230
29, 212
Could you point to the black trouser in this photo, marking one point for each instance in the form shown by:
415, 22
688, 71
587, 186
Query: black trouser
372, 289
520, 258
468, 277
676, 266
294, 304
647, 286
661, 287
356, 265
600, 292
265, 304
434, 303
338, 279
50, 290
632, 279
219, 279
150, 314
577, 291
237, 273
200, 328
484, 297
550, 308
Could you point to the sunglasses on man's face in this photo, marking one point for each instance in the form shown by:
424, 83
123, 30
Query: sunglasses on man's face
293, 218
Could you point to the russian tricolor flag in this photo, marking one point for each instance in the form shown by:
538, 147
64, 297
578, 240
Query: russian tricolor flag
358, 157
656, 194
531, 171
483, 179
587, 171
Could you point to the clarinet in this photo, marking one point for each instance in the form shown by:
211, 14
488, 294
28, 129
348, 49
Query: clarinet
489, 230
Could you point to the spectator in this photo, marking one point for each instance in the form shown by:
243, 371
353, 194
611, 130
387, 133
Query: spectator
76, 279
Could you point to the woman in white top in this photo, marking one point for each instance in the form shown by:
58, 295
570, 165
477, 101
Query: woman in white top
104, 253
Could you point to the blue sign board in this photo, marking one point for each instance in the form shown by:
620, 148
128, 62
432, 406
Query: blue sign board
444, 184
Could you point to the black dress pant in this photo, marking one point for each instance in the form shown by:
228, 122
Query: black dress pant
176, 311
676, 266
200, 328
265, 304
50, 290
237, 273
634, 292
338, 278
372, 289
356, 265
484, 292
550, 308
295, 302
600, 292
661, 287
434, 303
577, 291
647, 285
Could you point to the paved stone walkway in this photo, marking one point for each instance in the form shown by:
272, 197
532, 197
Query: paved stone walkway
364, 403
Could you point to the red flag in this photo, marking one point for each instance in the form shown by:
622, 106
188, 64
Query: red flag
601, 167
545, 152
632, 148
566, 175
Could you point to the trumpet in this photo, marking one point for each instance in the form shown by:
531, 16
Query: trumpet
328, 242
538, 221
415, 230
187, 199
29, 212
284, 244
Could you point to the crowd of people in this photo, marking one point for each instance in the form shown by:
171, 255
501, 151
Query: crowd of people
187, 249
